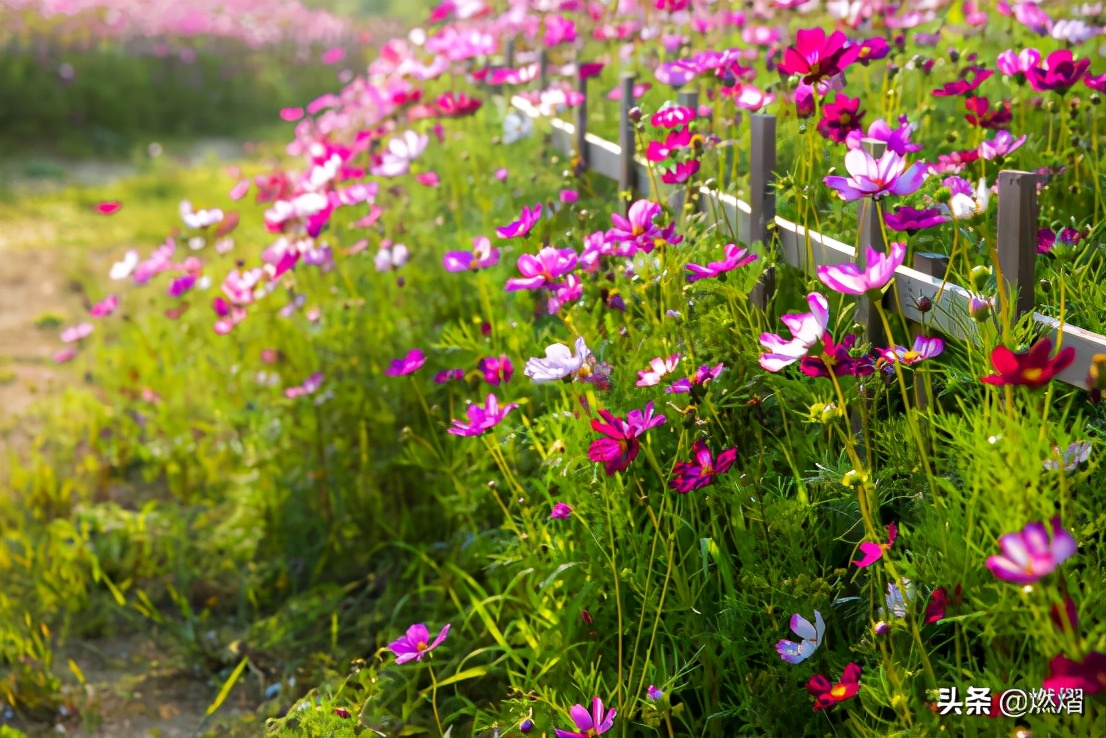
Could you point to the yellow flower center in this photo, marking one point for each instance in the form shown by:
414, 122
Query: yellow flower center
838, 691
911, 356
421, 646
637, 230
1032, 375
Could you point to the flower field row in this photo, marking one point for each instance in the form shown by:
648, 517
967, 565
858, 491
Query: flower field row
435, 400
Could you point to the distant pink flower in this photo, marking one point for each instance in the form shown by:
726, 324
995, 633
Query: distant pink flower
309, 387
77, 332
639, 90
482, 256
497, 369
449, 375
561, 511
558, 30
333, 55
416, 643
501, 174
65, 355
428, 179
876, 179
521, 227
482, 419
407, 365
1012, 64
658, 368
568, 196
753, 99
1029, 554
849, 279
239, 190
1003, 144
970, 80
681, 173
807, 330
873, 552
105, 307
702, 375
692, 475
736, 258
291, 114
180, 285
543, 269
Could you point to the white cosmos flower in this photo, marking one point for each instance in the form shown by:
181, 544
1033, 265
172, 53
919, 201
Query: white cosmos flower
559, 362
517, 126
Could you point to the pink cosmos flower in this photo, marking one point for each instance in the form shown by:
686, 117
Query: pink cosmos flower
897, 139
589, 725
333, 55
291, 114
105, 307
521, 227
449, 375
841, 118
482, 419
873, 552
753, 99
309, 386
701, 376
639, 90
564, 293
682, 172
482, 256
673, 116
497, 369
812, 635
1012, 64
807, 329
876, 179
637, 226
75, 333
692, 475
568, 196
416, 643
428, 179
560, 511
924, 348
658, 368
621, 445
65, 355
407, 365
108, 207
1003, 144
848, 279
736, 258
1029, 555
1088, 675
543, 269
815, 56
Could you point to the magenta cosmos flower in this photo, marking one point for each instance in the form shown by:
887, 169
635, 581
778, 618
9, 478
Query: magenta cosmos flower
637, 225
1058, 72
589, 725
527, 219
876, 179
873, 552
700, 472
897, 139
970, 80
561, 511
701, 376
658, 368
416, 643
482, 256
910, 220
807, 329
497, 369
736, 258
1012, 64
1029, 555
620, 446
76, 333
924, 348
816, 57
407, 365
542, 270
482, 419
849, 279
105, 307
673, 116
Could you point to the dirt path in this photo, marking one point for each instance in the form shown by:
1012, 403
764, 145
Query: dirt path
134, 689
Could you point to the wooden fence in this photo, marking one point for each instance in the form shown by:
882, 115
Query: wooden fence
806, 250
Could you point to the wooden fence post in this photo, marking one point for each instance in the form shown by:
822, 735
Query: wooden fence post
1017, 238
936, 266
509, 53
626, 131
689, 99
582, 119
543, 69
762, 198
871, 235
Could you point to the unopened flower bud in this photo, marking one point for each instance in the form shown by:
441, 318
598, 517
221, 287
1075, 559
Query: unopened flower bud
882, 628
978, 277
979, 309
635, 114
526, 726
924, 304
1096, 378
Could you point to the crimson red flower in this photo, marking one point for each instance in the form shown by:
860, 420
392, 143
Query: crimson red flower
827, 695
981, 115
1033, 368
841, 117
938, 601
457, 105
1088, 675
